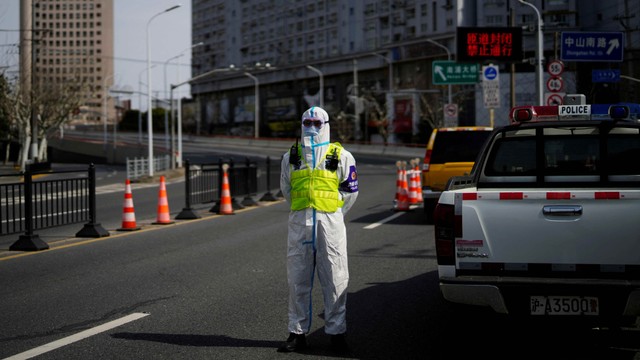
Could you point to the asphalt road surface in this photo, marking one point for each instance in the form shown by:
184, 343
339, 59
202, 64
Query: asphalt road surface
215, 288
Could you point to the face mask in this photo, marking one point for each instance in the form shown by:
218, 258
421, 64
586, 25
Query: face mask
311, 131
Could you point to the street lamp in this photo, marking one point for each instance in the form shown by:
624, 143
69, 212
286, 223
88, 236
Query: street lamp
390, 63
174, 86
149, 103
140, 93
105, 116
166, 114
448, 58
539, 53
173, 146
321, 83
256, 104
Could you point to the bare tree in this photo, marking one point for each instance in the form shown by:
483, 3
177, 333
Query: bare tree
52, 103
16, 110
55, 104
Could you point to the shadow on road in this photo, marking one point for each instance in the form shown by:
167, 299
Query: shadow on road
409, 319
197, 340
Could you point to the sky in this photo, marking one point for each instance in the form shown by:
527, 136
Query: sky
170, 36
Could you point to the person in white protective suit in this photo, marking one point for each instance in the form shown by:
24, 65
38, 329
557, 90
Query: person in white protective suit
320, 182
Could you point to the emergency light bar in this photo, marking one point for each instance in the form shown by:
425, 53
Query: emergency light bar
520, 114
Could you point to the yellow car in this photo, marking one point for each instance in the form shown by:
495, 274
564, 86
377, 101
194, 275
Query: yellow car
451, 151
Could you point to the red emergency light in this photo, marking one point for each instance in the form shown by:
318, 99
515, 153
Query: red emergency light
533, 113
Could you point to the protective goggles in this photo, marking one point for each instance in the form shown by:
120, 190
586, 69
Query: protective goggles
316, 123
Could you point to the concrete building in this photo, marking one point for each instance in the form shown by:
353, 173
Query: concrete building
263, 62
74, 43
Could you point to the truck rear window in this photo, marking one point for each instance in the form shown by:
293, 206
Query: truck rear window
565, 153
457, 146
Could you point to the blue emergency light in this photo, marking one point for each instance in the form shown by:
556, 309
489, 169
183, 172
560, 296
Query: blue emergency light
620, 111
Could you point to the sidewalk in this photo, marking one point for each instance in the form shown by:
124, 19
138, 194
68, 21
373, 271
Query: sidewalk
9, 173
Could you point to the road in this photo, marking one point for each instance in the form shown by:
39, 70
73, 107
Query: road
215, 288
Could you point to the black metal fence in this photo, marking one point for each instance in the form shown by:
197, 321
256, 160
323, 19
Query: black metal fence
61, 199
204, 181
69, 197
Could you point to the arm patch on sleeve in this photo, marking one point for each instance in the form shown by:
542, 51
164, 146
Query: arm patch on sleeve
351, 184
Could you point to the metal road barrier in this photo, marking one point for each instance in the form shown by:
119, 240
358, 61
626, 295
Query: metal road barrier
204, 181
69, 197
139, 167
38, 204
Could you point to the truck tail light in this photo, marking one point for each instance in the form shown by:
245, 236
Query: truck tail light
445, 232
427, 161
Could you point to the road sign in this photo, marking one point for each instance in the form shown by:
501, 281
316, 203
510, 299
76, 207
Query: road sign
592, 46
450, 114
554, 98
608, 75
451, 109
503, 44
451, 72
489, 73
555, 68
491, 86
555, 84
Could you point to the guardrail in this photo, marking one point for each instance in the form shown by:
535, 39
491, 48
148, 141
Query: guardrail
139, 167
68, 197
204, 181
38, 204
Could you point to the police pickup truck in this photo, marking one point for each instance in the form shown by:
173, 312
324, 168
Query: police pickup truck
548, 222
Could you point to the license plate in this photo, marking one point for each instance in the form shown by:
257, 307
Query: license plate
564, 305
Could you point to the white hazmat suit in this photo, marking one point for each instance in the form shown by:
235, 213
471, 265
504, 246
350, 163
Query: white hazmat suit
317, 240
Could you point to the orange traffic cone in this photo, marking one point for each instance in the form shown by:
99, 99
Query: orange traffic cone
163, 205
413, 184
225, 196
128, 214
419, 180
402, 196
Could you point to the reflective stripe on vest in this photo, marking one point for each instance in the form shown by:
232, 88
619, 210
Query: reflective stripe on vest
316, 188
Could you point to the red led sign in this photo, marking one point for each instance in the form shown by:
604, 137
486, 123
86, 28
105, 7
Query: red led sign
489, 43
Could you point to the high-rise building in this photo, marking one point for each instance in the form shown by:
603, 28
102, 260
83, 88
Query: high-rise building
73, 43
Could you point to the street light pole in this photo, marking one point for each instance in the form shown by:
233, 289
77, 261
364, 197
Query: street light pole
140, 93
390, 64
448, 58
173, 87
178, 156
149, 103
256, 104
105, 116
166, 113
539, 54
321, 84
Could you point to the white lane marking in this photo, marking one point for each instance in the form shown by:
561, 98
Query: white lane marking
77, 337
376, 224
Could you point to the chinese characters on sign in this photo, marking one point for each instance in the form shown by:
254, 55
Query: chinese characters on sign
489, 43
451, 72
592, 46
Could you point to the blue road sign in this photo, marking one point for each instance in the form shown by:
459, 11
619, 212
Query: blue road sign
607, 75
592, 46
490, 73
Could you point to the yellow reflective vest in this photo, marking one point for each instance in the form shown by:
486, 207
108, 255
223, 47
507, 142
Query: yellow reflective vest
316, 188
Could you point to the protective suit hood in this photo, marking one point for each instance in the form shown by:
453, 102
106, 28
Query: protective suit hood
313, 135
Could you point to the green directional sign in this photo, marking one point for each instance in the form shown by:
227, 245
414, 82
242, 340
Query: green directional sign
451, 72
